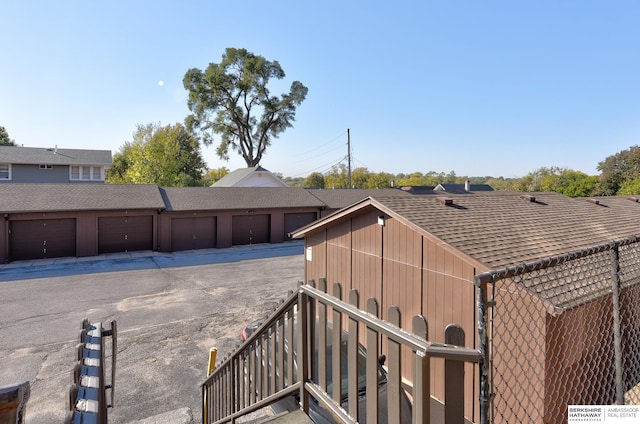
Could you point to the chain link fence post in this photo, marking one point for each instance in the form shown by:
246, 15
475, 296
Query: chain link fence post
483, 345
617, 332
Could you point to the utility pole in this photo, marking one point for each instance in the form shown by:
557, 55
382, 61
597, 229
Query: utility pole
349, 156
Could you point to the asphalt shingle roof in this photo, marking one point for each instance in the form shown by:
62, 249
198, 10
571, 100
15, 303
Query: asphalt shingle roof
341, 198
234, 177
500, 229
15, 198
227, 198
54, 156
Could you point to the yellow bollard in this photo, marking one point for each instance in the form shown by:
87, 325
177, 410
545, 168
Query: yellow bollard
212, 364
212, 360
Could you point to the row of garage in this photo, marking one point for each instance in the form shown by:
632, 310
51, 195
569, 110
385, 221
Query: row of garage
61, 220
39, 238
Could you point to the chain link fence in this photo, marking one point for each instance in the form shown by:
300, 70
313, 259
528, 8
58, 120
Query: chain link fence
563, 331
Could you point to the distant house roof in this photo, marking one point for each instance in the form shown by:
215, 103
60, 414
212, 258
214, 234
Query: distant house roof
19, 197
499, 229
54, 156
226, 198
461, 188
255, 176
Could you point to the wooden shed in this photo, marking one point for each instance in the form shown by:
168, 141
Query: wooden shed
421, 253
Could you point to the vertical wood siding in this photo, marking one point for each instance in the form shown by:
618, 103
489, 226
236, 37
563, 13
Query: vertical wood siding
400, 267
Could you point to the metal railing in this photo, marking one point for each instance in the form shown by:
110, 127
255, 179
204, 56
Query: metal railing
88, 400
261, 372
561, 331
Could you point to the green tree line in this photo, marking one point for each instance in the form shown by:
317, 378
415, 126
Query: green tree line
619, 175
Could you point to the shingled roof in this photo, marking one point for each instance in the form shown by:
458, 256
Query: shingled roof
18, 198
341, 198
498, 229
226, 198
237, 178
54, 156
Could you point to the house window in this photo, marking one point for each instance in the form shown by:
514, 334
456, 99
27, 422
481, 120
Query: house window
46, 166
85, 173
5, 171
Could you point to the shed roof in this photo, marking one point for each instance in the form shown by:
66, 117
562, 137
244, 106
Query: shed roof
54, 156
498, 229
226, 198
236, 177
18, 197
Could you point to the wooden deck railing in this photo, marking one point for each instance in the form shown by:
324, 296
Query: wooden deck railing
260, 372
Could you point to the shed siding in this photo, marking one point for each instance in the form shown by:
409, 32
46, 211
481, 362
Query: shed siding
398, 266
448, 297
315, 255
338, 255
366, 257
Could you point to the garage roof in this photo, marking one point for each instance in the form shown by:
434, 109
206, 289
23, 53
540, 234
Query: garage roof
17, 197
227, 198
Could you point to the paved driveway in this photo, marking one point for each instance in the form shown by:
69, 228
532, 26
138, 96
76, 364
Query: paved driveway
170, 310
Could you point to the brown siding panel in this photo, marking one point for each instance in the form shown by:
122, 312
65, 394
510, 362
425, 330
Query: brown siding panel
338, 254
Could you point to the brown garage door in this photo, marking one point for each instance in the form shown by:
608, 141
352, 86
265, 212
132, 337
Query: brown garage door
250, 229
125, 233
42, 238
293, 221
193, 233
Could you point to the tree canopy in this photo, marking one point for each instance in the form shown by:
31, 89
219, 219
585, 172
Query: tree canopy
5, 140
231, 99
165, 156
619, 170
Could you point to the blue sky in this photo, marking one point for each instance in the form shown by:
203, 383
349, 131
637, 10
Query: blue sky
496, 88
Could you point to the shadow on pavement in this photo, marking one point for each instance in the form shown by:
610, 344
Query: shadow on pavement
27, 270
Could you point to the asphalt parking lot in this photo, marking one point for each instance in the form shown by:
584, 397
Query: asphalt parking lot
170, 310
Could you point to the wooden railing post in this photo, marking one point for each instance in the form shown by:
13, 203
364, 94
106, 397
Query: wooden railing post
421, 376
336, 356
352, 351
454, 378
303, 354
394, 377
373, 351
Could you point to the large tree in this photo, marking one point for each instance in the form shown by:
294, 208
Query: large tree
5, 140
617, 170
231, 99
166, 156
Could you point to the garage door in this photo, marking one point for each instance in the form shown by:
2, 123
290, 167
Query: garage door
43, 238
193, 233
293, 221
125, 233
250, 229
